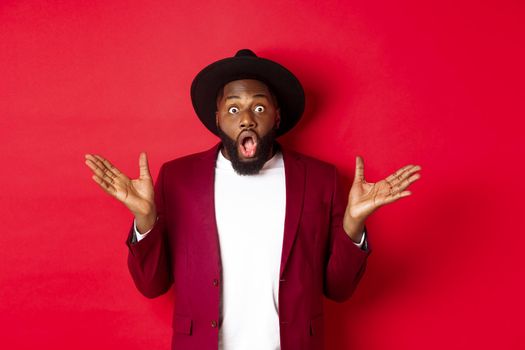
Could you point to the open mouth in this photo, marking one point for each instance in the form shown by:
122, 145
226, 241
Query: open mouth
247, 144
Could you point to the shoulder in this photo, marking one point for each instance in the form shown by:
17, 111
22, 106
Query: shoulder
311, 163
315, 172
195, 162
320, 178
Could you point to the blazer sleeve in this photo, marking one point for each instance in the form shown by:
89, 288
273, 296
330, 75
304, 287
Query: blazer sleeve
346, 262
149, 261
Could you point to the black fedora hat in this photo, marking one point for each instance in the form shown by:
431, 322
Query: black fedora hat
246, 65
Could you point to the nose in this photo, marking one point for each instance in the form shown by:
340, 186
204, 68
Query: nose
247, 120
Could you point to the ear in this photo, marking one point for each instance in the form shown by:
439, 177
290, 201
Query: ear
217, 119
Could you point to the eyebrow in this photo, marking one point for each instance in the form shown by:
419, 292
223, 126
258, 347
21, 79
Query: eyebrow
235, 96
231, 97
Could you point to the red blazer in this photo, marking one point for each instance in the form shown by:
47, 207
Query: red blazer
318, 258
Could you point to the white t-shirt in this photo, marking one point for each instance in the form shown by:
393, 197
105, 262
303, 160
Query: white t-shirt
250, 213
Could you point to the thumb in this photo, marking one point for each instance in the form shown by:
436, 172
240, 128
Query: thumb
143, 166
359, 170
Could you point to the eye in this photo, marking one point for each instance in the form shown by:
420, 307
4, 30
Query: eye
233, 110
259, 109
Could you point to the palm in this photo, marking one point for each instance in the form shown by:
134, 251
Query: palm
365, 197
136, 194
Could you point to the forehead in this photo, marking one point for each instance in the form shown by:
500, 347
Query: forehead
248, 86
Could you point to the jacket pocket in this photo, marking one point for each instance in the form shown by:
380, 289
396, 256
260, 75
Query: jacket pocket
317, 326
182, 324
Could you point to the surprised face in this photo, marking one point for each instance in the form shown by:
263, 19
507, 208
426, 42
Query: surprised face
247, 117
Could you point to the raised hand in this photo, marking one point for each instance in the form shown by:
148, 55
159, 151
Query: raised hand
137, 194
366, 197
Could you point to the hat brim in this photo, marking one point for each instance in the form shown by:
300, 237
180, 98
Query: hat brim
285, 86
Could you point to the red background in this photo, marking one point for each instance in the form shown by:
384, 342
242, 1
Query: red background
398, 82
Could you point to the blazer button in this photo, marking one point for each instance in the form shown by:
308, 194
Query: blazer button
215, 282
214, 324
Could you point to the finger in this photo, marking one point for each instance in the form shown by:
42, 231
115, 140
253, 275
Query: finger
91, 161
409, 181
359, 170
106, 186
99, 164
408, 174
143, 166
400, 186
94, 167
98, 171
106, 166
110, 166
397, 196
398, 175
391, 178
395, 190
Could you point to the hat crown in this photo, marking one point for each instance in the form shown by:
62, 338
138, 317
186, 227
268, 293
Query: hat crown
245, 53
247, 65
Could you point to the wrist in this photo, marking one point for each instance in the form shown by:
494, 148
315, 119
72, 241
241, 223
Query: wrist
145, 222
354, 229
143, 209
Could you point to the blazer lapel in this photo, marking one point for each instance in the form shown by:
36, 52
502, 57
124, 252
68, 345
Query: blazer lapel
295, 182
204, 197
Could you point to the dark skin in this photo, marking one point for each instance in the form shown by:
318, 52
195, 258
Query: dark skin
248, 104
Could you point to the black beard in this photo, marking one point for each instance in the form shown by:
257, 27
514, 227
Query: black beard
255, 164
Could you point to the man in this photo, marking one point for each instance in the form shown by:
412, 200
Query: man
252, 235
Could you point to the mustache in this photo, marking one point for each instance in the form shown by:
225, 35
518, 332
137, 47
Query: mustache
265, 145
248, 133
